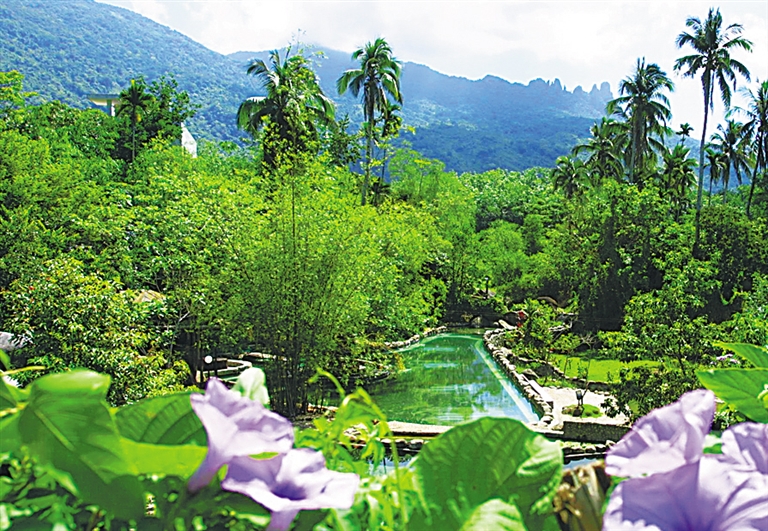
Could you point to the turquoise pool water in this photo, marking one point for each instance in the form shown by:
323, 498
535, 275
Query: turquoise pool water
450, 379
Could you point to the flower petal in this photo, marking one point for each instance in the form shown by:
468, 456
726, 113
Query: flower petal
746, 445
293, 481
707, 495
664, 439
236, 426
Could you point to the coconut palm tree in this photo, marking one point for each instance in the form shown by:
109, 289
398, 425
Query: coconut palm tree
377, 79
712, 46
292, 109
134, 102
757, 124
646, 109
732, 141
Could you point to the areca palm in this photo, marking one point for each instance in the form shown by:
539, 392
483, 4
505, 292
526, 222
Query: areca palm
716, 165
134, 101
603, 149
570, 175
684, 132
712, 46
293, 107
732, 141
757, 113
377, 79
646, 109
677, 176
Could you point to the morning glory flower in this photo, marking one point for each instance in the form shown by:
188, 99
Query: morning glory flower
236, 426
664, 439
688, 490
289, 483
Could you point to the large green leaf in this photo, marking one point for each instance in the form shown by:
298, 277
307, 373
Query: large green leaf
742, 388
9, 433
757, 355
10, 396
167, 419
69, 429
495, 514
164, 460
484, 460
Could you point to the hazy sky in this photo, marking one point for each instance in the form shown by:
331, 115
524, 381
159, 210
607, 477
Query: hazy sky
579, 42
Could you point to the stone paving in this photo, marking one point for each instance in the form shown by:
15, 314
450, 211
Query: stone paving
563, 397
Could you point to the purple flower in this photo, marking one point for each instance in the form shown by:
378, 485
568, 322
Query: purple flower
710, 495
745, 445
688, 490
664, 439
236, 426
289, 483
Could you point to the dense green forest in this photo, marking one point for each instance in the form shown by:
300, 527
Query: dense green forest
120, 250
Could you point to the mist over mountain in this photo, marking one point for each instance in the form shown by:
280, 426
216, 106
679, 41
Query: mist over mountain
69, 49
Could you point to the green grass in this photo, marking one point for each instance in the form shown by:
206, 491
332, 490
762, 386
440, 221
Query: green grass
599, 370
589, 411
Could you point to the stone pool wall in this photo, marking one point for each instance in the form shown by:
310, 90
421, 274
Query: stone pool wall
532, 391
415, 339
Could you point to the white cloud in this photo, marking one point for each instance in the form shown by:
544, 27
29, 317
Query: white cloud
579, 42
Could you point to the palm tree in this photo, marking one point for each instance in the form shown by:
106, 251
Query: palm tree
604, 149
712, 46
570, 175
757, 113
677, 176
732, 141
293, 107
391, 122
716, 165
134, 101
646, 109
684, 132
377, 78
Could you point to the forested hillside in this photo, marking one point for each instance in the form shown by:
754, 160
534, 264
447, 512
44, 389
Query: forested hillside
67, 50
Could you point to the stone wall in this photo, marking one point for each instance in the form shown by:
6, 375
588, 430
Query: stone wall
545, 368
574, 430
415, 339
541, 403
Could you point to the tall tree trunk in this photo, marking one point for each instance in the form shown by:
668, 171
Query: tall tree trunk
701, 171
368, 157
726, 180
752, 187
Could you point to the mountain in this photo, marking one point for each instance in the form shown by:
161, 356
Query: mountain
69, 49
476, 125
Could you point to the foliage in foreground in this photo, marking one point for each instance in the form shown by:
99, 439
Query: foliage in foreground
73, 462
70, 461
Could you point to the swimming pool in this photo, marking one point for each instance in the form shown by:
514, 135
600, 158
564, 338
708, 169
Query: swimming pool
450, 379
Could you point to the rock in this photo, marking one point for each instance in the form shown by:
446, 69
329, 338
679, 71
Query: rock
531, 375
505, 325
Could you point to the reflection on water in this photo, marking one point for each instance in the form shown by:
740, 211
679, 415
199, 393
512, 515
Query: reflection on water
450, 379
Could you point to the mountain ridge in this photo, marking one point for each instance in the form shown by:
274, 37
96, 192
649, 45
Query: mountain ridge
69, 49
